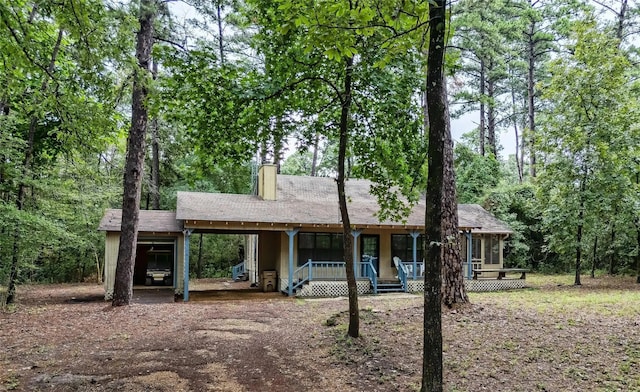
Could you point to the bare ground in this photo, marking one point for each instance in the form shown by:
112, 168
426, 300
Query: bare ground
551, 338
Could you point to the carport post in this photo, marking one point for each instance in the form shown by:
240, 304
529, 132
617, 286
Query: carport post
187, 234
356, 234
469, 249
291, 233
415, 234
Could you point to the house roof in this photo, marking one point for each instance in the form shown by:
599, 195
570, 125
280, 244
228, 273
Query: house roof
150, 221
314, 200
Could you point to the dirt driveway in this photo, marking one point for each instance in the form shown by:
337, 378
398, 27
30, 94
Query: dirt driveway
65, 338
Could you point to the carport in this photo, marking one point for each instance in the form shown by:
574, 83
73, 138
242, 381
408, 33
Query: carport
159, 251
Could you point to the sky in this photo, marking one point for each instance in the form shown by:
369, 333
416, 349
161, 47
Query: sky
469, 121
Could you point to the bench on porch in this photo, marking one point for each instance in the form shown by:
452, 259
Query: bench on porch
502, 272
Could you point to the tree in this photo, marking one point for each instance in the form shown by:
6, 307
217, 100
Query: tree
56, 106
589, 140
134, 168
438, 129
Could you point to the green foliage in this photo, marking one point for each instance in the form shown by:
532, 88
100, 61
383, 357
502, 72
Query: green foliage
590, 138
219, 254
475, 174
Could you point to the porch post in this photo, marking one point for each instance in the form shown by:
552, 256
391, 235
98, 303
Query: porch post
291, 233
185, 289
415, 234
469, 249
356, 234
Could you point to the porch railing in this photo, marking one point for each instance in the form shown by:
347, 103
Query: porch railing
402, 275
237, 270
332, 270
408, 266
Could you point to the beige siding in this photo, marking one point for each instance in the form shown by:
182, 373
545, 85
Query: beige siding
267, 175
111, 246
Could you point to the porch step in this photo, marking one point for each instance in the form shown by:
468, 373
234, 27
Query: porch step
393, 287
242, 277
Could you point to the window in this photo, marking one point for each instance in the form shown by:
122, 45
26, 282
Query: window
402, 246
492, 249
319, 246
476, 249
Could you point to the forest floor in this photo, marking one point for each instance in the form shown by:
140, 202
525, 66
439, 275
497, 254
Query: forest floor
551, 337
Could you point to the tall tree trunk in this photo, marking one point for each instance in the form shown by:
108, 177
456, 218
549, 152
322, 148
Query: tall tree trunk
439, 122
453, 289
26, 173
612, 248
482, 137
219, 8
491, 119
622, 14
514, 116
347, 238
531, 57
580, 227
155, 154
133, 174
638, 236
594, 262
314, 161
638, 250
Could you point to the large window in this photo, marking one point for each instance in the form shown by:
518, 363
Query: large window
492, 249
319, 247
476, 248
402, 246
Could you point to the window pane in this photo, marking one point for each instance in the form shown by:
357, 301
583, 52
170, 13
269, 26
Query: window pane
476, 248
305, 241
495, 249
336, 241
323, 241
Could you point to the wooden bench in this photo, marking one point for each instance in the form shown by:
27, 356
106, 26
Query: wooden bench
502, 272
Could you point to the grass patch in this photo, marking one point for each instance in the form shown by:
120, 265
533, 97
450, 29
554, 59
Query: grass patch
594, 297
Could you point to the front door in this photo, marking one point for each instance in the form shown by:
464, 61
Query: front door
370, 250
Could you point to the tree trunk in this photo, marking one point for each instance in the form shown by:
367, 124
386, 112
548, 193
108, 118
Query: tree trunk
638, 250
638, 237
26, 169
594, 262
314, 161
453, 290
133, 174
220, 37
347, 239
621, 19
491, 119
515, 129
439, 122
579, 234
482, 131
612, 251
155, 155
531, 53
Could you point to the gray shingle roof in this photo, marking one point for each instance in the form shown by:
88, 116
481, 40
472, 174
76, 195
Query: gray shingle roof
150, 221
314, 200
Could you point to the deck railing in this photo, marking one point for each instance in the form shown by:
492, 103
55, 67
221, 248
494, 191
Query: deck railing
332, 270
408, 265
237, 270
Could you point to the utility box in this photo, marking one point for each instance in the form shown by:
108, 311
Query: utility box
268, 279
